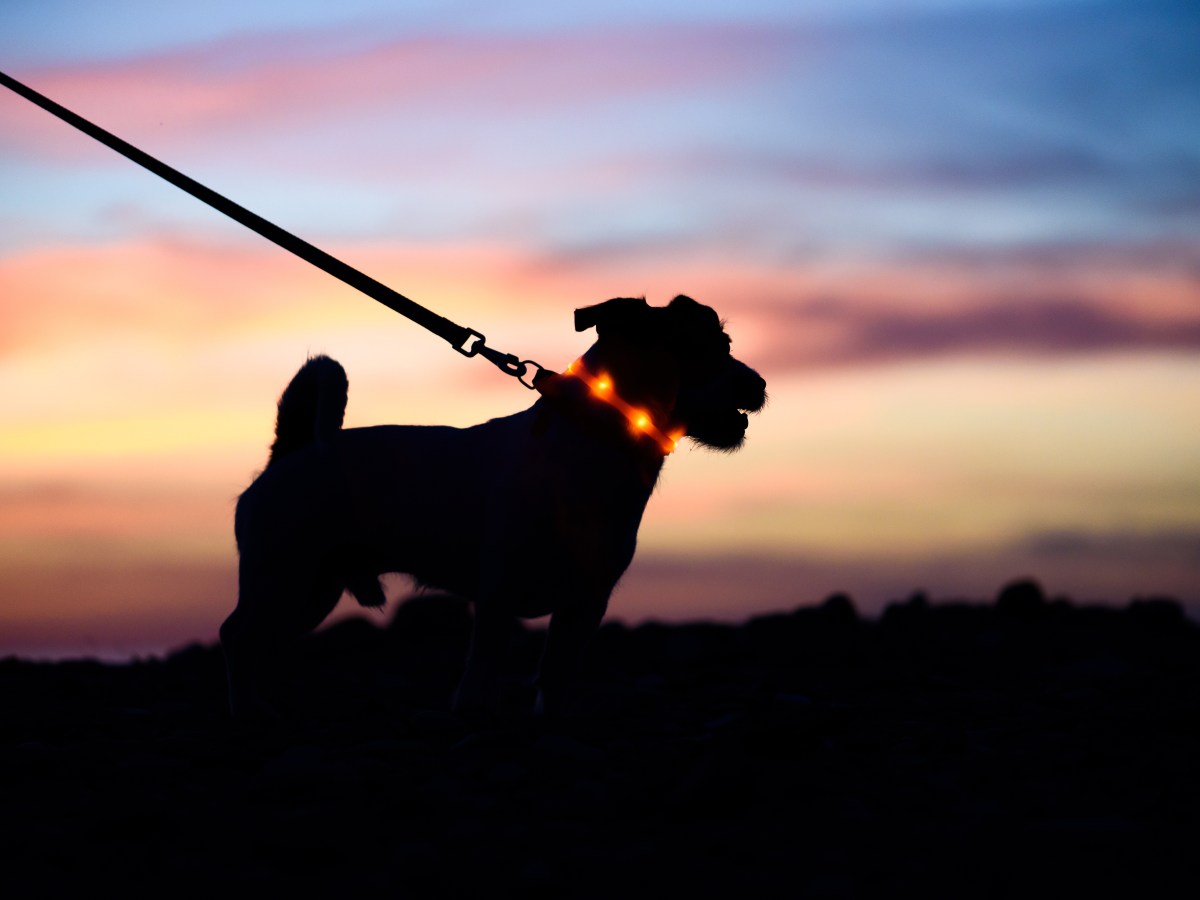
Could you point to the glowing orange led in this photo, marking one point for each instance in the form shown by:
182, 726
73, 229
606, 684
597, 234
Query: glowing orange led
639, 419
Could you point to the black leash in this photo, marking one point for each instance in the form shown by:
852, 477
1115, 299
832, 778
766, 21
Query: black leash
466, 341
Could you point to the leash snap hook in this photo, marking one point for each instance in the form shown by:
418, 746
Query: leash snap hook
473, 347
508, 363
542, 372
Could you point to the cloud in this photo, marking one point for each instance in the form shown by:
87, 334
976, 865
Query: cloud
180, 291
113, 610
732, 587
1039, 326
881, 314
1142, 547
51, 520
273, 81
794, 139
183, 289
1017, 167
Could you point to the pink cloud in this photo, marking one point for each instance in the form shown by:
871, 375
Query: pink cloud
187, 289
195, 95
82, 515
181, 290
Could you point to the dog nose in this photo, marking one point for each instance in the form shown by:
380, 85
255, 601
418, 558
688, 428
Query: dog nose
753, 391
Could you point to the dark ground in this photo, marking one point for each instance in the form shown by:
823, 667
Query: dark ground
1022, 749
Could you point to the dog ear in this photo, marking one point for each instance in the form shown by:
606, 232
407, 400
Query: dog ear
620, 312
692, 311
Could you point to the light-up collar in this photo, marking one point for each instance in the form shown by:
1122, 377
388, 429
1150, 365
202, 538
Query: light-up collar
641, 422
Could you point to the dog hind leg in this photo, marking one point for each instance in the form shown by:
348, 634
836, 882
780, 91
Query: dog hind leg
251, 655
268, 620
478, 691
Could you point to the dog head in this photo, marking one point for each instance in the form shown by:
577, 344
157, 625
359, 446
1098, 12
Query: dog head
675, 362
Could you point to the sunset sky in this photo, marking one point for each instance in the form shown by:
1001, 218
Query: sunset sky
959, 238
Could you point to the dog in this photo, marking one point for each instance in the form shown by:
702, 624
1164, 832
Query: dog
528, 515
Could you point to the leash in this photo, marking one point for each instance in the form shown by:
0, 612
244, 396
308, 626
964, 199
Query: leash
466, 341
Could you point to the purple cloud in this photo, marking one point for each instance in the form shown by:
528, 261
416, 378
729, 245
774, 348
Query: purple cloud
866, 333
260, 84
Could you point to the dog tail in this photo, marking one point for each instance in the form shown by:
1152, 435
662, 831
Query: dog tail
312, 407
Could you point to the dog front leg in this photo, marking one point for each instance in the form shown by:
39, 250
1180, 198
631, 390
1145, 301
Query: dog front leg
571, 630
479, 689
251, 663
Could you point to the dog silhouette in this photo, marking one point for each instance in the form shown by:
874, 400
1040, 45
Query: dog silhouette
531, 514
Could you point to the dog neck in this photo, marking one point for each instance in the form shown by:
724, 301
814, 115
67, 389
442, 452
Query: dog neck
588, 396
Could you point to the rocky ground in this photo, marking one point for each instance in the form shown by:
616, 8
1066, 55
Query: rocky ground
1022, 748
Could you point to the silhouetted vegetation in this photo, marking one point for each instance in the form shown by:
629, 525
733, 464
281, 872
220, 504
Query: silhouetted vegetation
1028, 747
